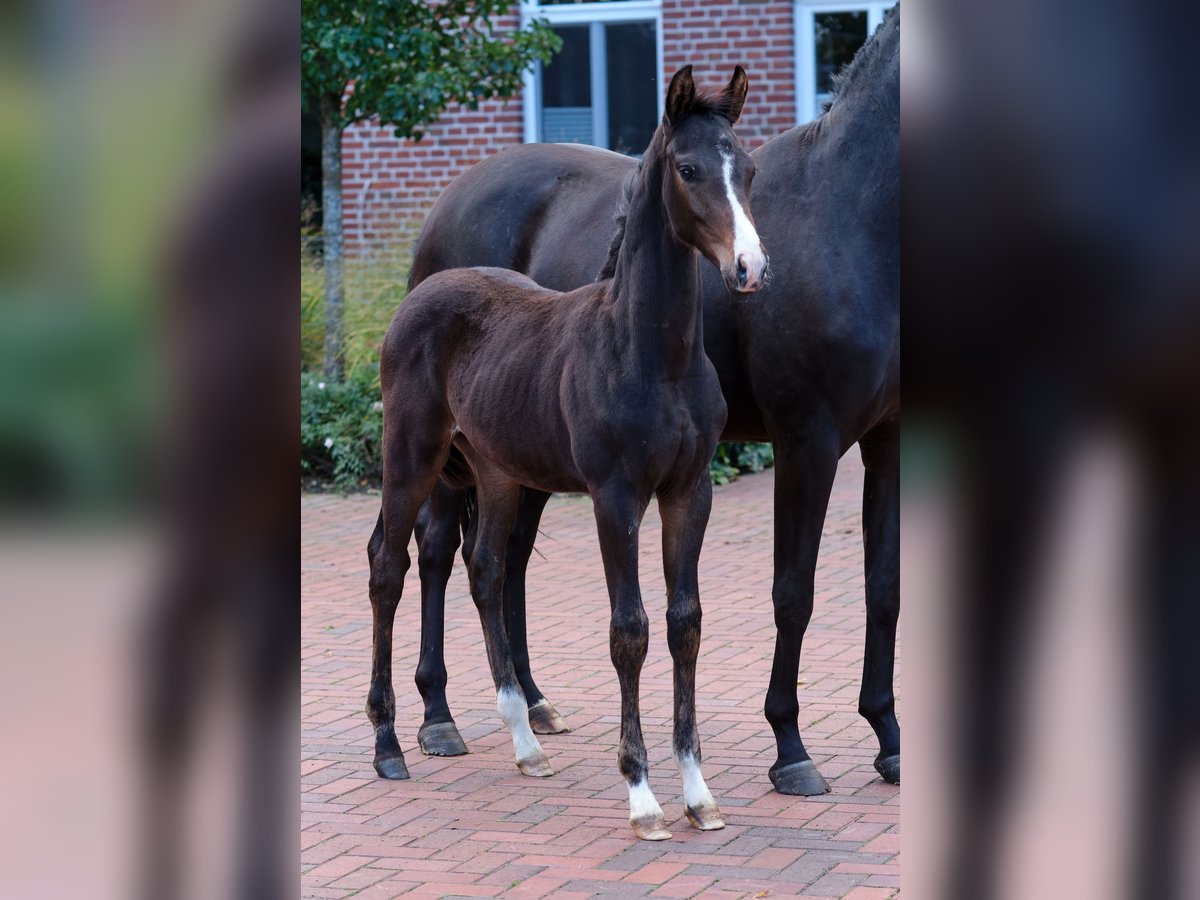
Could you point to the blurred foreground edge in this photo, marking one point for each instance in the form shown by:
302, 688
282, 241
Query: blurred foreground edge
1051, 176
225, 629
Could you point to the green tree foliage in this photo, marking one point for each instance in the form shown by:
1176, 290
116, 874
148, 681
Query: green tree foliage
409, 59
402, 62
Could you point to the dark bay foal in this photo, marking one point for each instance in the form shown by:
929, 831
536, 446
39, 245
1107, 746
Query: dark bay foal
604, 389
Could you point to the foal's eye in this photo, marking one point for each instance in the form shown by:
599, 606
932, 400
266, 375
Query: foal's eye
687, 173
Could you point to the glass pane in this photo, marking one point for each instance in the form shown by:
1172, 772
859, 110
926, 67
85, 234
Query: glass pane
837, 37
567, 89
632, 86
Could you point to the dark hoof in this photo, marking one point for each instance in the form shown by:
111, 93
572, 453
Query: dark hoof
441, 739
544, 719
392, 768
799, 779
888, 768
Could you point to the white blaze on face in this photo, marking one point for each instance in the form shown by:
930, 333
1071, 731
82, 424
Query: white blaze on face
746, 245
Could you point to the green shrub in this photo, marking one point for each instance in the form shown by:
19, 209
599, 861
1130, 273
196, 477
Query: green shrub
341, 431
734, 459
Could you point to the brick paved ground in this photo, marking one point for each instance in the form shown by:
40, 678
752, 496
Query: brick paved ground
473, 826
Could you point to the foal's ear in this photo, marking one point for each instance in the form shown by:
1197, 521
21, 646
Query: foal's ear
680, 96
734, 96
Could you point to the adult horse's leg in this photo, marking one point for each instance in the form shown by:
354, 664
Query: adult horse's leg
618, 520
410, 475
880, 450
804, 471
438, 537
543, 717
684, 521
496, 511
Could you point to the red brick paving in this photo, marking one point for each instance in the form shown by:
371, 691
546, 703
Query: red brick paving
472, 826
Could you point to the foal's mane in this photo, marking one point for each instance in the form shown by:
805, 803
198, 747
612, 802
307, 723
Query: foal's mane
708, 100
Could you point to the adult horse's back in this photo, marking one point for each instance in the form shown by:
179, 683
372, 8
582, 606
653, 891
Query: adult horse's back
812, 366
521, 209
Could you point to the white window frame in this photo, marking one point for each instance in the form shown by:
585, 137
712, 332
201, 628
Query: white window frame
806, 51
597, 15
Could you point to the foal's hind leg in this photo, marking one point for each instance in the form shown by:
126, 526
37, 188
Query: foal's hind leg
684, 521
410, 470
618, 518
497, 509
881, 541
437, 542
543, 717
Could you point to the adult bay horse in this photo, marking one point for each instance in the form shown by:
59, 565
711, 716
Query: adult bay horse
604, 389
812, 365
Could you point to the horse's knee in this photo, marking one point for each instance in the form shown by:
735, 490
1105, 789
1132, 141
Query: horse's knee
883, 598
683, 626
388, 569
629, 637
486, 572
793, 601
436, 549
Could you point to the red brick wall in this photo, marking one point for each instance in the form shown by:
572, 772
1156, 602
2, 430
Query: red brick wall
389, 184
716, 35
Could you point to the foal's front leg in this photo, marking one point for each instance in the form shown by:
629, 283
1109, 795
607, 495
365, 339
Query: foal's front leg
497, 509
618, 518
684, 520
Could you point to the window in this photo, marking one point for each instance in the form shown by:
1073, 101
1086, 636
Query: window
603, 87
827, 37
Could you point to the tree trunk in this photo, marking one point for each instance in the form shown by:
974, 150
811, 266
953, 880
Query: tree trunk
331, 201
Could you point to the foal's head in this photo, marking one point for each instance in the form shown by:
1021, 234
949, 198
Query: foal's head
707, 175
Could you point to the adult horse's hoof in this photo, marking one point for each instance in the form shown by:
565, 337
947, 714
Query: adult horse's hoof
799, 779
544, 719
705, 818
888, 768
392, 768
535, 767
650, 828
441, 739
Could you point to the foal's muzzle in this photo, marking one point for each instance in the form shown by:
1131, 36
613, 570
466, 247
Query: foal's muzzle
749, 272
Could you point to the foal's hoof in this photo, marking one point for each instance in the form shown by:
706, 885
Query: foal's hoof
888, 768
544, 719
441, 739
650, 828
799, 779
705, 818
392, 768
536, 767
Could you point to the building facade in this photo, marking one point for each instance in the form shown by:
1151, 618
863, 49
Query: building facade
606, 88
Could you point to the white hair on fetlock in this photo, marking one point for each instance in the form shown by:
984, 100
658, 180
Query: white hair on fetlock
695, 792
510, 703
642, 803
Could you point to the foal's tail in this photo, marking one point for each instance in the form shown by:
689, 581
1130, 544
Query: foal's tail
469, 515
